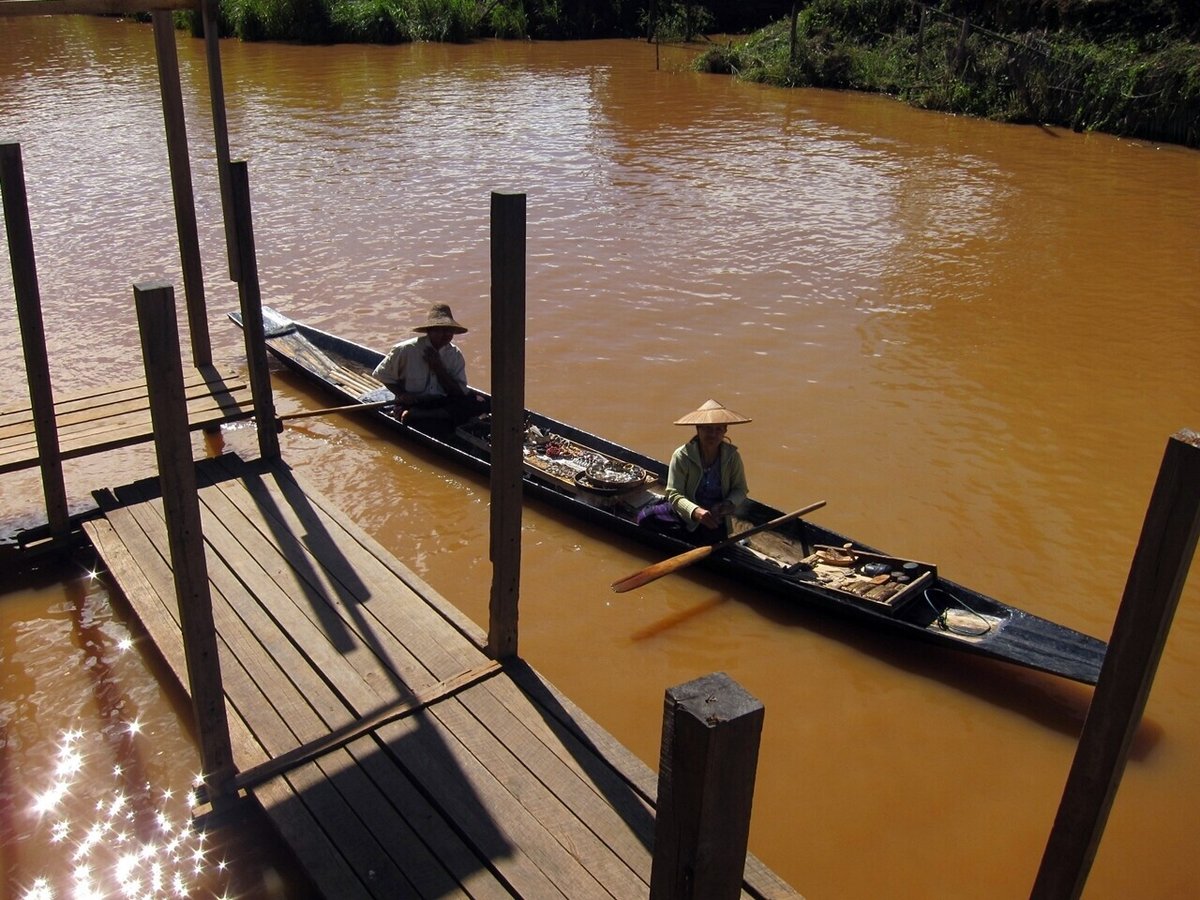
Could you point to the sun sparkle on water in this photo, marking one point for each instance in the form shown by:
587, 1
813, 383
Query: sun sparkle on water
135, 843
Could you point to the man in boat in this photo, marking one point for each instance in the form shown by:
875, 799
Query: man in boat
428, 373
706, 481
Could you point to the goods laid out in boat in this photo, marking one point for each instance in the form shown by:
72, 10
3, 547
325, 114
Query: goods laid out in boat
798, 561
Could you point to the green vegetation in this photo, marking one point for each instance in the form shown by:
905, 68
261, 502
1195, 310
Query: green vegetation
1128, 67
399, 21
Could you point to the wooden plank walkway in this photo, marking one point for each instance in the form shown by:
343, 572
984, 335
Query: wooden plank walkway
119, 415
497, 787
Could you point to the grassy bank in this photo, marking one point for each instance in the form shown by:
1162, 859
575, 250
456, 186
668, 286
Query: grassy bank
1124, 68
1128, 67
401, 21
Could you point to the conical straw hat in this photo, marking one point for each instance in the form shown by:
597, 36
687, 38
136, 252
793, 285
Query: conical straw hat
713, 413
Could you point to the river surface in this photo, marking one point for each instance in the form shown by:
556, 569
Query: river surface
973, 340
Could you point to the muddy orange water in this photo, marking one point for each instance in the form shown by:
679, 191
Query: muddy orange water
973, 340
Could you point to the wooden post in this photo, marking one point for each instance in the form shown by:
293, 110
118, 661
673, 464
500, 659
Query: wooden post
960, 52
508, 418
33, 336
921, 40
1156, 579
216, 91
155, 302
181, 185
252, 319
707, 767
792, 35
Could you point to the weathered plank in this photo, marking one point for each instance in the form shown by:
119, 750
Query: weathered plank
531, 855
107, 420
115, 409
217, 380
364, 579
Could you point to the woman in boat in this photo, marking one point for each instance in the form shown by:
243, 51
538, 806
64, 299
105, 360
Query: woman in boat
428, 374
706, 481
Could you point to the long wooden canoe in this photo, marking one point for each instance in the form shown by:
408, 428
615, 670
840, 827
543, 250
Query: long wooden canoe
606, 483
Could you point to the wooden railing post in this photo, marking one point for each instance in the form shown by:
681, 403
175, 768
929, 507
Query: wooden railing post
252, 319
707, 768
33, 336
155, 302
181, 185
508, 418
1156, 578
216, 91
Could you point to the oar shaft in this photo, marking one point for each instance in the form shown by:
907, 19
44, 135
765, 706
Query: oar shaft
774, 523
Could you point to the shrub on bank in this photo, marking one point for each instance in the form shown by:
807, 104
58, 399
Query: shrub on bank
396, 21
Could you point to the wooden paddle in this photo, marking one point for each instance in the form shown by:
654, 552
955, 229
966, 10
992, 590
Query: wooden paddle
683, 560
353, 407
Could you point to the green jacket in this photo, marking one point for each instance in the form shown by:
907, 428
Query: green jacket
683, 479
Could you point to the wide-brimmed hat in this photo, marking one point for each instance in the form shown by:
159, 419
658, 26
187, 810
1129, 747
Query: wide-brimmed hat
713, 413
440, 317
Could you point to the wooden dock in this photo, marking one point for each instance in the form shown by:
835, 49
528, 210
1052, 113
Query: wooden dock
396, 759
106, 418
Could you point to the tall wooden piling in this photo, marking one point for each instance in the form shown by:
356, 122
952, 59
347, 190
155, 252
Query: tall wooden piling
707, 768
508, 417
33, 336
181, 185
155, 302
250, 296
216, 92
1156, 578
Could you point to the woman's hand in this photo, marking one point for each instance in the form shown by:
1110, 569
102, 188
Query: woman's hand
706, 517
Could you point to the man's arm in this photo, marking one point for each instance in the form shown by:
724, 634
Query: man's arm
453, 379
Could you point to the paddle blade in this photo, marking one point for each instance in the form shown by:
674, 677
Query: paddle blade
658, 570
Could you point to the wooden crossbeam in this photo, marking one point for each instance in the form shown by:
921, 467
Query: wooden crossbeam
339, 738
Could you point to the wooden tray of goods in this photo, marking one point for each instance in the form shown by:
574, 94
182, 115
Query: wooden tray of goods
886, 583
567, 463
